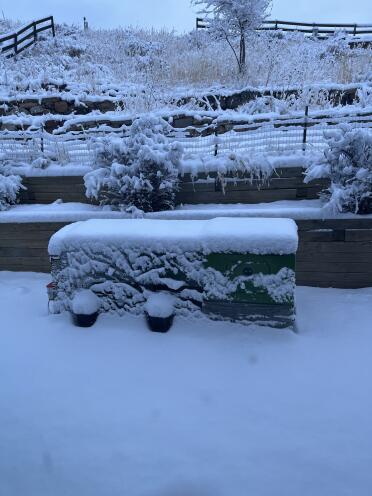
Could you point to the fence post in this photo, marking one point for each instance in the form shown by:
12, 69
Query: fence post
42, 139
15, 44
216, 141
355, 30
53, 27
304, 138
35, 32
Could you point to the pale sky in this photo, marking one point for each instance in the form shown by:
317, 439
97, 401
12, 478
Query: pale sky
176, 14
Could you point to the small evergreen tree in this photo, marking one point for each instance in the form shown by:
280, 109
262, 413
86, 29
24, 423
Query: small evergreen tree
140, 171
348, 164
10, 186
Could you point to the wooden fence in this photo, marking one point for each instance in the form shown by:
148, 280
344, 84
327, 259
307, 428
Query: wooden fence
14, 43
305, 27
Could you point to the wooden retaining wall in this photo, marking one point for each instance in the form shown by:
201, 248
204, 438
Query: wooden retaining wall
285, 184
332, 253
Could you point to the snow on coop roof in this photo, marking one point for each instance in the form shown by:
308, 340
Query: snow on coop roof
258, 236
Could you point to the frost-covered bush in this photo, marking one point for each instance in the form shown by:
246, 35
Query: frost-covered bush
125, 278
348, 164
140, 171
10, 186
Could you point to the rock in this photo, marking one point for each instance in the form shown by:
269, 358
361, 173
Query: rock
26, 104
106, 106
37, 110
61, 107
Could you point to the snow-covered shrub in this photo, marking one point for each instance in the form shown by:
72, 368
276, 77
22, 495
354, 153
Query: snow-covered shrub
348, 164
10, 186
125, 278
253, 168
140, 171
267, 104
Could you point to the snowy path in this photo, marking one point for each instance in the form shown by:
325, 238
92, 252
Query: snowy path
208, 410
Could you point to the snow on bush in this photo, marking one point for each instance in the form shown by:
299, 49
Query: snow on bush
253, 168
348, 164
124, 277
85, 302
140, 171
10, 185
125, 262
160, 305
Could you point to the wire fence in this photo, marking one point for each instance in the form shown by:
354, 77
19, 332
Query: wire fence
281, 135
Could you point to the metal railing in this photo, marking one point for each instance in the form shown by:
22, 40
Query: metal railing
14, 43
297, 133
305, 27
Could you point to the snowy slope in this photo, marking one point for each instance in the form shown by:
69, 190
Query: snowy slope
150, 67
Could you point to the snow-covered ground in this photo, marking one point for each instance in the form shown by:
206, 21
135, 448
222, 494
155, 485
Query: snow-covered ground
73, 212
209, 409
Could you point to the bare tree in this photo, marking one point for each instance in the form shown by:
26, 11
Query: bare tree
232, 20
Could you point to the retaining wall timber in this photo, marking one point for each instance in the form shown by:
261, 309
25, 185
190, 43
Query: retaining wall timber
332, 253
285, 184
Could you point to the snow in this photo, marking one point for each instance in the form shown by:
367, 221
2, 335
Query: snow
259, 236
208, 409
53, 170
85, 302
148, 68
73, 212
160, 305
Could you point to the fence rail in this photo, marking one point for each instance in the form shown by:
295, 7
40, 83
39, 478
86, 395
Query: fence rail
14, 43
298, 133
305, 27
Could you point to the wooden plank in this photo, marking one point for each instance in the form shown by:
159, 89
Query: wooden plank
43, 269
54, 180
328, 279
40, 242
16, 238
358, 235
310, 256
237, 196
325, 235
197, 187
21, 252
335, 267
55, 186
31, 263
355, 223
31, 227
335, 247
47, 198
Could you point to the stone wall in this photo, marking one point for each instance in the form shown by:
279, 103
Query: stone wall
56, 105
